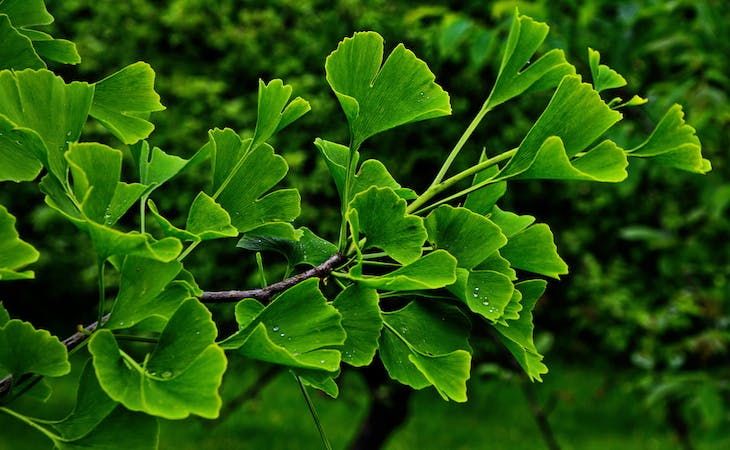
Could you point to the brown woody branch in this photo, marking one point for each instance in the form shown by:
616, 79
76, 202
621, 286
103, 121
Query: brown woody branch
263, 294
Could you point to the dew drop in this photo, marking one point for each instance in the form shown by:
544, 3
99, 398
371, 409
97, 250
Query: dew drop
282, 335
321, 361
275, 329
289, 338
166, 374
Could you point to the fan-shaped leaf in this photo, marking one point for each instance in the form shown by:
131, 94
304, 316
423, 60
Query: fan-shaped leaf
25, 13
23, 349
303, 248
485, 292
603, 76
427, 345
123, 101
376, 98
14, 252
273, 111
674, 143
17, 51
362, 321
432, 271
180, 377
380, 215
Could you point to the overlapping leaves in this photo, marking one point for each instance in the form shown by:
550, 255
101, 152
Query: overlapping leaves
15, 253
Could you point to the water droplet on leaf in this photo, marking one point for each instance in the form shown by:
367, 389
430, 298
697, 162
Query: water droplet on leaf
166, 374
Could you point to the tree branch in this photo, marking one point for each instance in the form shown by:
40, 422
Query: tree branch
269, 291
263, 294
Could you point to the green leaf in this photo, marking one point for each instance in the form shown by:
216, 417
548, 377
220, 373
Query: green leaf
576, 114
141, 286
19, 148
273, 111
605, 162
483, 200
14, 252
180, 377
243, 196
362, 322
120, 430
23, 349
485, 292
4, 315
25, 13
372, 172
674, 143
58, 50
469, 237
28, 98
208, 220
509, 222
433, 271
307, 248
17, 51
603, 76
109, 242
517, 336
533, 250
380, 215
524, 39
96, 170
376, 98
298, 329
156, 168
427, 345
123, 101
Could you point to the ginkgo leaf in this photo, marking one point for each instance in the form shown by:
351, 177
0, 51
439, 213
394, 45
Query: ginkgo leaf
514, 78
14, 252
674, 143
17, 51
603, 76
485, 292
96, 170
298, 329
124, 99
304, 248
24, 349
242, 180
142, 281
43, 95
273, 111
380, 215
534, 250
109, 242
362, 322
180, 377
432, 271
24, 13
605, 162
468, 236
372, 172
576, 126
426, 345
517, 334
19, 148
376, 98
483, 200
58, 50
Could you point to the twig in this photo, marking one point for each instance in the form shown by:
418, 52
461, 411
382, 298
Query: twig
263, 294
266, 293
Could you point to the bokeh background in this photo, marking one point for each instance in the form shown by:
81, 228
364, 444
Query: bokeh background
636, 337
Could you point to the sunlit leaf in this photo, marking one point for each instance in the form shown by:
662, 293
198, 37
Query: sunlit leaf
674, 143
123, 101
485, 292
605, 162
424, 345
376, 98
245, 194
432, 271
362, 321
517, 335
273, 111
603, 76
14, 252
514, 78
380, 215
576, 114
180, 377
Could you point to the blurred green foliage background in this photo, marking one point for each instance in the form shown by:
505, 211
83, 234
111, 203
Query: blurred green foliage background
645, 309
